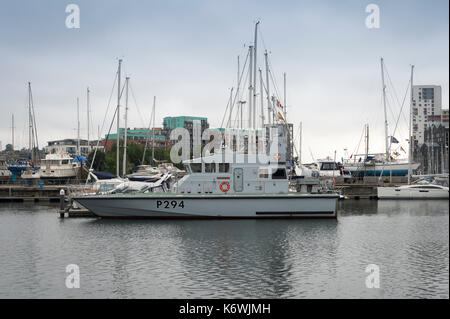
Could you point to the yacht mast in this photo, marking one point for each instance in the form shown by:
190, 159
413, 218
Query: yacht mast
153, 130
300, 145
262, 97
284, 102
30, 122
88, 123
238, 84
269, 107
250, 88
78, 126
12, 133
410, 139
118, 118
124, 160
255, 49
388, 157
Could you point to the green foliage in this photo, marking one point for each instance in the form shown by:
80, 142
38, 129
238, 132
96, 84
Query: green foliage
107, 161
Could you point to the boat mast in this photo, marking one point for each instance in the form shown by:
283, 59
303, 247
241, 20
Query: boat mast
88, 123
284, 100
78, 126
255, 49
388, 157
262, 97
153, 130
231, 108
410, 139
118, 118
12, 133
237, 89
30, 123
124, 161
269, 108
300, 145
250, 88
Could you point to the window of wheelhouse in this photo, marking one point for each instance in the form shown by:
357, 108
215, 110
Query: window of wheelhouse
280, 173
224, 167
196, 167
210, 167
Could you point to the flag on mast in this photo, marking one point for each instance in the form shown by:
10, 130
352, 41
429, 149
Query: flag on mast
279, 104
280, 117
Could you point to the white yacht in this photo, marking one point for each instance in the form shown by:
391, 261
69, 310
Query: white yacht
414, 191
4, 171
59, 166
218, 186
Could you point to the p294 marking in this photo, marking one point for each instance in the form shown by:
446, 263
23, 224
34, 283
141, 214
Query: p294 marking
169, 204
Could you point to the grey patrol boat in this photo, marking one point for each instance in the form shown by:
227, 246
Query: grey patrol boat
219, 186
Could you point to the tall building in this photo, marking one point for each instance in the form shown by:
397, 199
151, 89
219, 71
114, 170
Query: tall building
445, 118
187, 122
427, 110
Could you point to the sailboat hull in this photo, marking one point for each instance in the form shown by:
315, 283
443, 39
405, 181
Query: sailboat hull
412, 192
210, 206
380, 169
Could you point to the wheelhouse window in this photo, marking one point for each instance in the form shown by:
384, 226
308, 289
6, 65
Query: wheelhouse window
280, 173
210, 167
224, 167
263, 173
196, 167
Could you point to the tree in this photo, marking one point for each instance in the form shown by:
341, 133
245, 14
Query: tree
8, 148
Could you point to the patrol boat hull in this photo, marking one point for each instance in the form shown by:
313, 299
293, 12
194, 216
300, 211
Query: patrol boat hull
211, 206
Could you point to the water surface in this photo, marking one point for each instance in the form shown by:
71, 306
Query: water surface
408, 240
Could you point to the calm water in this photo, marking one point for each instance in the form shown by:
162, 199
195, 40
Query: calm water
408, 240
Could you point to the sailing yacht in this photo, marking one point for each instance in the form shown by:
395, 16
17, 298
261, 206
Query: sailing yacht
420, 189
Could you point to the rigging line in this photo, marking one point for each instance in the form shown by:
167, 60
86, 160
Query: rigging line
148, 136
107, 137
136, 104
356, 151
226, 109
401, 109
238, 89
34, 123
103, 123
393, 88
239, 82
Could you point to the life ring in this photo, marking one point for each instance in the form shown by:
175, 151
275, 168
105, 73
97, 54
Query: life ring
224, 187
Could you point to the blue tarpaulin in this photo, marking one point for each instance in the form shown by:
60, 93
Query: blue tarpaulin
80, 158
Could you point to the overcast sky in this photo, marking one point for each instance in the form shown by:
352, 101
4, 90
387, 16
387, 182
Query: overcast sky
185, 52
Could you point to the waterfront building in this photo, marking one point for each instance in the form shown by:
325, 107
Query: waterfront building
70, 146
445, 118
143, 136
426, 109
187, 122
433, 153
